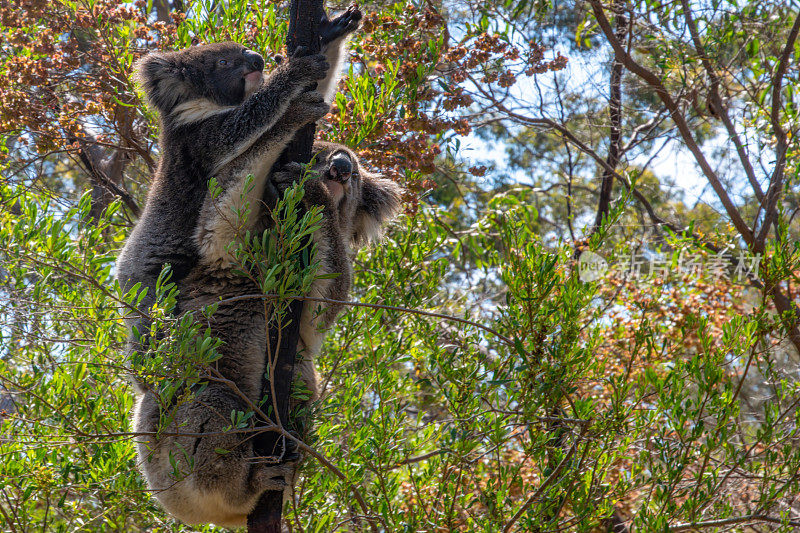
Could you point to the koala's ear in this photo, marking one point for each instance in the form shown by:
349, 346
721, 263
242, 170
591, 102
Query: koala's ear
162, 78
380, 202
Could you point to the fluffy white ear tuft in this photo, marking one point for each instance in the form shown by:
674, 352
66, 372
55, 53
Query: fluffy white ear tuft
380, 202
161, 77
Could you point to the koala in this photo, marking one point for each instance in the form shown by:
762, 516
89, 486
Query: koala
223, 488
356, 204
220, 118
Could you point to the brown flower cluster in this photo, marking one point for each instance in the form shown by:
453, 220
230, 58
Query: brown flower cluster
65, 75
66, 70
404, 141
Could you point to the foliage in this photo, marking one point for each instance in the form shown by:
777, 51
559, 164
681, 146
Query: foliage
478, 381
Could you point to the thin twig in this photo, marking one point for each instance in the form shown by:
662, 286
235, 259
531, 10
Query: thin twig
776, 180
451, 318
417, 459
302, 445
716, 100
651, 79
8, 520
732, 521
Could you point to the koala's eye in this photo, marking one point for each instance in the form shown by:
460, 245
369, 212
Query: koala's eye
223, 62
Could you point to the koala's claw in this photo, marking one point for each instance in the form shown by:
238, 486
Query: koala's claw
288, 174
294, 168
291, 453
308, 107
311, 98
272, 477
339, 26
301, 51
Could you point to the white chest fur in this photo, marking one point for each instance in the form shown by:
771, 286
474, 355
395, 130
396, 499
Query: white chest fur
226, 218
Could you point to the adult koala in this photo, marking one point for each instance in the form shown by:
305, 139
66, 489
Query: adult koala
219, 119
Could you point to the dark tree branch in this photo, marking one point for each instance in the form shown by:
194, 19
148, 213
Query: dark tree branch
304, 20
554, 475
162, 10
748, 519
305, 17
790, 312
105, 172
770, 201
716, 103
653, 81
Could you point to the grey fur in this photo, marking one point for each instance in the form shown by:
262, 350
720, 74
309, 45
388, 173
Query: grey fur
214, 125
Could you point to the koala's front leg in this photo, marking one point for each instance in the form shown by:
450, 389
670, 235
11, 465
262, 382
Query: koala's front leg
307, 108
334, 34
236, 131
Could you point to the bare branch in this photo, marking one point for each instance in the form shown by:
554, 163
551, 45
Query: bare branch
546, 483
651, 79
716, 101
615, 116
782, 303
770, 202
95, 162
487, 329
733, 521
300, 444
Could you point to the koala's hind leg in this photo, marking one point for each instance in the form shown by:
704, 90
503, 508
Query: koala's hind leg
220, 478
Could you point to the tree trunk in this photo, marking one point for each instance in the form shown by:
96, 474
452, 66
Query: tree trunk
304, 20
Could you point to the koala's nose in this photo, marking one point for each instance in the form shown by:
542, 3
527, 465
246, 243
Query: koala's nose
254, 60
341, 168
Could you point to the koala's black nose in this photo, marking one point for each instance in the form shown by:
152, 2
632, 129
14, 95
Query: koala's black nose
341, 167
254, 60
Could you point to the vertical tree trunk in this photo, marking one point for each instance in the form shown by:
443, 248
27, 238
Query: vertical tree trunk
615, 116
304, 20
305, 16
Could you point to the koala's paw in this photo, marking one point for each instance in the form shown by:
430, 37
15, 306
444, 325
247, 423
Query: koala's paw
267, 476
286, 175
308, 107
307, 68
289, 174
341, 25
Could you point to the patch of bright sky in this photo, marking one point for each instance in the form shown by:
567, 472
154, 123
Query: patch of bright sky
670, 161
